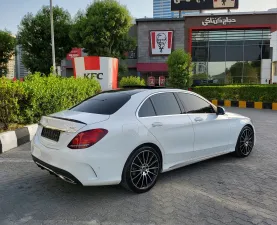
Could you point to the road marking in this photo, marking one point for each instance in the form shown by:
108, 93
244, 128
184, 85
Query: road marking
11, 160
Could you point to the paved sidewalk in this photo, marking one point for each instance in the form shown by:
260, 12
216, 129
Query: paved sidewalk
224, 190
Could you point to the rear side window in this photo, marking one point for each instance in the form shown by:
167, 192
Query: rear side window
165, 104
105, 103
147, 109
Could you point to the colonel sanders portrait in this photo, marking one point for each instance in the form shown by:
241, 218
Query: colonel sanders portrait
161, 40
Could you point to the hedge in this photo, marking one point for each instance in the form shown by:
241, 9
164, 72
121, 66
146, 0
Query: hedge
131, 80
26, 102
252, 93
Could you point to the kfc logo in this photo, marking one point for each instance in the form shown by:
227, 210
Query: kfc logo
162, 81
161, 42
151, 81
103, 69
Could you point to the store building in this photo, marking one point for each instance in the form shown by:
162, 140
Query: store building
225, 48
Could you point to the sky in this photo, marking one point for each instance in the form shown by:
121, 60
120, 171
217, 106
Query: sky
12, 11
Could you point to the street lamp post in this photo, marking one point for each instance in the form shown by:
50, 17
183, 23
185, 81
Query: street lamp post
52, 37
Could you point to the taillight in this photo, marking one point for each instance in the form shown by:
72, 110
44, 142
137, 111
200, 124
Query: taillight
87, 138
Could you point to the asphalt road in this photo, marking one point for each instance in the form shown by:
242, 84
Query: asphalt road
224, 190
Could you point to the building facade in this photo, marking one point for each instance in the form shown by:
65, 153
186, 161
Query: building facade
225, 48
11, 68
162, 9
20, 69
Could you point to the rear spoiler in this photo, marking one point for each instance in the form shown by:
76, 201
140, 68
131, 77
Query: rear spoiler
71, 120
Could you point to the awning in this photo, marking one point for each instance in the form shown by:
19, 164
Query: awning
152, 67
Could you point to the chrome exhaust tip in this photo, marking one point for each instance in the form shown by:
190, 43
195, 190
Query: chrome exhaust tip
64, 178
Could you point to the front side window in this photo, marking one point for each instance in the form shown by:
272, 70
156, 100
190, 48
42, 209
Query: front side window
194, 104
165, 104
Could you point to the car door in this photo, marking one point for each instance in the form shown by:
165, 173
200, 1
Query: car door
162, 115
212, 131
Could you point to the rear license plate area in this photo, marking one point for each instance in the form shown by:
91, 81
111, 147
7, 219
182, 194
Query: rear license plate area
51, 134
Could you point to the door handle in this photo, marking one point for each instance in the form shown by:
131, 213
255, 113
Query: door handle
157, 124
198, 119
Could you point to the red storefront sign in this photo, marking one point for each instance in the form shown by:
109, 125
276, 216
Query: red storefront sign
151, 81
75, 52
162, 81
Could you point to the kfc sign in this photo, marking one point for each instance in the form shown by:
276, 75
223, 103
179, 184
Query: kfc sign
162, 81
75, 52
151, 81
161, 42
103, 69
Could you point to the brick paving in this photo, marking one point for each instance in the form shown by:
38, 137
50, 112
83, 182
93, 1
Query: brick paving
223, 190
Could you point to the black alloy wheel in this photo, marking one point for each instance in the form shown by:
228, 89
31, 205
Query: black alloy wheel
141, 170
245, 142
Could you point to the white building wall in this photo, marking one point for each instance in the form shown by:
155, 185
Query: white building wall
265, 71
273, 44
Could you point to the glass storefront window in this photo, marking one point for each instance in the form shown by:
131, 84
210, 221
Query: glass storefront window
231, 56
234, 72
252, 52
199, 54
217, 35
234, 53
216, 71
232, 42
253, 35
266, 51
251, 72
216, 53
235, 35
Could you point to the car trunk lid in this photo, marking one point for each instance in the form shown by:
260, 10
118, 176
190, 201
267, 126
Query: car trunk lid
57, 130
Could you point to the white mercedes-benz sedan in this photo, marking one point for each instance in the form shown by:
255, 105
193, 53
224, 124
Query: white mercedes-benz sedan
130, 136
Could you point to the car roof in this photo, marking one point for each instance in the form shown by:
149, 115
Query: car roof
145, 90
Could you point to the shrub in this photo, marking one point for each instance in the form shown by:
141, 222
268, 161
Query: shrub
26, 102
10, 95
180, 69
131, 80
46, 95
254, 93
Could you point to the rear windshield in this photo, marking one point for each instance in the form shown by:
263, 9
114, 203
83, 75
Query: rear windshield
104, 103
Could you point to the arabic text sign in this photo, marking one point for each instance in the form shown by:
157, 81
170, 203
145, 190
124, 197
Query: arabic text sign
75, 52
179, 5
219, 20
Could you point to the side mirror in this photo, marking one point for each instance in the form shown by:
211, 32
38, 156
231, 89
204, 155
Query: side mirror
220, 110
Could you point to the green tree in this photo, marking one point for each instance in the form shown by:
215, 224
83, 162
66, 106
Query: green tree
103, 29
7, 50
243, 71
35, 37
179, 69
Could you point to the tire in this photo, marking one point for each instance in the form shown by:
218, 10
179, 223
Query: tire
141, 170
245, 142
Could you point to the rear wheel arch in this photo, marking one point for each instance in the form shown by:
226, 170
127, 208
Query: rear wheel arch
127, 178
152, 145
148, 144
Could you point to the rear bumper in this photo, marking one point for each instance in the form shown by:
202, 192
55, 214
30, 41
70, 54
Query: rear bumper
64, 175
90, 167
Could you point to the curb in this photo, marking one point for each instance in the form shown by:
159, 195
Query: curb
245, 104
13, 139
